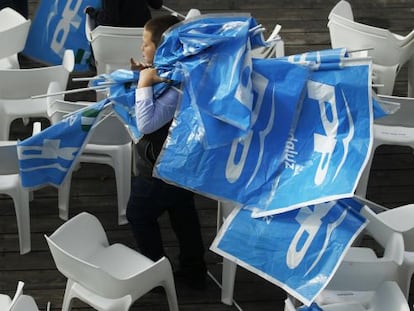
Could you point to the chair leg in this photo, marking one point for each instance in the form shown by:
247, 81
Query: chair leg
68, 298
169, 287
123, 183
64, 197
21, 206
227, 281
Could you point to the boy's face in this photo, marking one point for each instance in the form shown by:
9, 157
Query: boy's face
148, 47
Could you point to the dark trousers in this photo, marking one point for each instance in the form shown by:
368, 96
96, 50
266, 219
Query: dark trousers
149, 199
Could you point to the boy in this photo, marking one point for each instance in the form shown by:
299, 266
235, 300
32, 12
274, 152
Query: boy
150, 196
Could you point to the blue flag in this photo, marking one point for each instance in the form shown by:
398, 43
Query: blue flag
298, 250
58, 26
328, 149
46, 158
244, 170
211, 55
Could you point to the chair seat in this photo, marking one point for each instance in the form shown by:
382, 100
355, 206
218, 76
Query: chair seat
361, 254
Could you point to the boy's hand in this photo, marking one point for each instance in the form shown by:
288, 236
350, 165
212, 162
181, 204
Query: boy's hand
138, 66
148, 77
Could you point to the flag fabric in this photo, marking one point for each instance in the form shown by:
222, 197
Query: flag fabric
46, 158
329, 147
299, 250
242, 170
58, 26
211, 53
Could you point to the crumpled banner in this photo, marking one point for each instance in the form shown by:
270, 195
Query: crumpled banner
212, 55
299, 250
243, 170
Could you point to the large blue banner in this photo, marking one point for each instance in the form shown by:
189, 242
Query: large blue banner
298, 250
309, 128
59, 25
328, 149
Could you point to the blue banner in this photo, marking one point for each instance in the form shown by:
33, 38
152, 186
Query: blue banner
310, 128
46, 158
330, 145
299, 250
243, 170
59, 25
212, 53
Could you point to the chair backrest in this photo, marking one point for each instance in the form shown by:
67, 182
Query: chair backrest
385, 48
80, 236
24, 83
25, 303
391, 241
117, 31
8, 155
14, 29
343, 9
401, 219
114, 51
10, 18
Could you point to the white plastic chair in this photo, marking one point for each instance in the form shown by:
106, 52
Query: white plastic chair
362, 270
389, 51
14, 29
25, 303
387, 297
108, 144
10, 184
113, 47
106, 277
17, 86
6, 302
394, 129
401, 220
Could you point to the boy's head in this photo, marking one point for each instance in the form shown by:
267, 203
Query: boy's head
153, 31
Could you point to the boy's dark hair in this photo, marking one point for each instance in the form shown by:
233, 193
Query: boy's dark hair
158, 25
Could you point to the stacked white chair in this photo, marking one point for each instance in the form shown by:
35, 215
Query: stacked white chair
106, 277
108, 144
401, 220
14, 29
10, 184
18, 86
367, 277
363, 268
394, 129
113, 47
388, 50
387, 297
